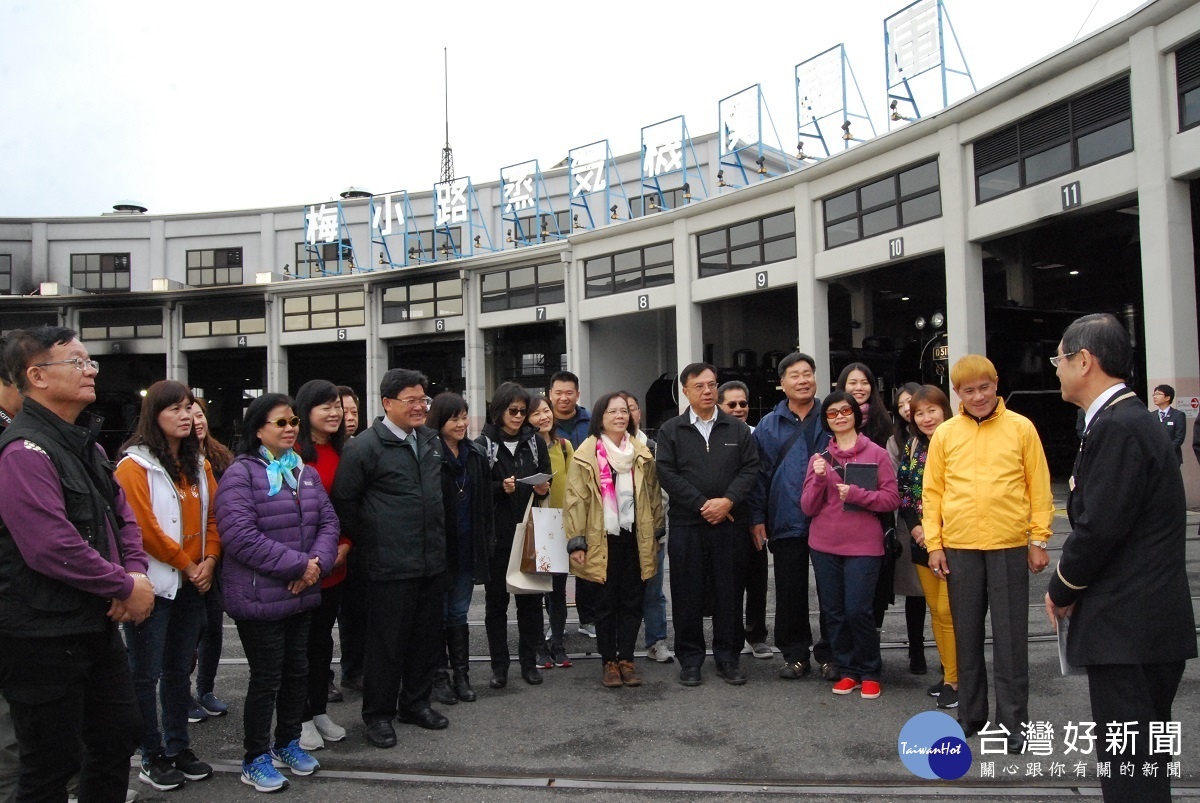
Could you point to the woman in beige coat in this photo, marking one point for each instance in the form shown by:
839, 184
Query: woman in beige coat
612, 515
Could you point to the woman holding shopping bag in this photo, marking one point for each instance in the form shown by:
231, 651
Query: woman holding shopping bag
613, 515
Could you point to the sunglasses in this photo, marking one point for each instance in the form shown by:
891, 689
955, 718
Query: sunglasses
517, 412
294, 421
738, 403
839, 413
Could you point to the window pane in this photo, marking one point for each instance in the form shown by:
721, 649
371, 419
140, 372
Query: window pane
1106, 143
420, 292
235, 275
449, 306
494, 282
521, 277
711, 242
919, 178
493, 302
222, 276
395, 295
554, 294
207, 276
923, 208
876, 222
523, 297
121, 332
779, 225
656, 254
1047, 164
252, 326
841, 206
352, 300
626, 260
109, 281
93, 332
1190, 111
663, 274
354, 317
323, 320
881, 192
193, 259
150, 331
422, 311
292, 323
449, 288
998, 182
293, 305
844, 232
323, 303
196, 329
745, 257
595, 268
598, 285
206, 259
395, 314
743, 233
552, 274
779, 250
78, 262
193, 277
227, 327
93, 261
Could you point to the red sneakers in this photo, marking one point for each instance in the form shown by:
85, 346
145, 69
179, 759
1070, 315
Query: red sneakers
870, 689
847, 685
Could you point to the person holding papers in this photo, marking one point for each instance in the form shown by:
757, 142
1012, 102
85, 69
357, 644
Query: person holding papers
847, 484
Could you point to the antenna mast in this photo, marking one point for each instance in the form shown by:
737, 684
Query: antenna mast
447, 153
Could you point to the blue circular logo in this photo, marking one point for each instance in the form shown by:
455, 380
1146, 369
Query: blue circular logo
932, 746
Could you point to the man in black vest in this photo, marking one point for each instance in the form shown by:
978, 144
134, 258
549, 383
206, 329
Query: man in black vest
10, 763
1122, 578
71, 568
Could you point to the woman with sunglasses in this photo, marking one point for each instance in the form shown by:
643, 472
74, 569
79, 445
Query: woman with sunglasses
280, 537
846, 540
319, 444
514, 451
170, 488
612, 516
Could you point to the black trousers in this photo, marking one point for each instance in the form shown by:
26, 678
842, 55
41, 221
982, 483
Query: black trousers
697, 550
403, 636
619, 600
278, 656
74, 710
320, 651
585, 602
352, 618
495, 616
997, 579
1141, 693
756, 593
793, 631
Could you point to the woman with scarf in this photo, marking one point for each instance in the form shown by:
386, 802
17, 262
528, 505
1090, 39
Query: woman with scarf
612, 516
280, 534
514, 451
905, 581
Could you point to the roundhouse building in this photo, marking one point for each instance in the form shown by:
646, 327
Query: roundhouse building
1073, 186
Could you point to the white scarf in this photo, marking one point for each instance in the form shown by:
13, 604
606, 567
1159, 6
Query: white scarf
620, 461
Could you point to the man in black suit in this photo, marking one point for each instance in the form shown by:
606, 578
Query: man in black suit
1174, 421
1122, 577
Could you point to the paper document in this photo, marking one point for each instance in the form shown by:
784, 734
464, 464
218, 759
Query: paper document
536, 479
1064, 624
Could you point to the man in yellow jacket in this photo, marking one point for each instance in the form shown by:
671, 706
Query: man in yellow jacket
987, 514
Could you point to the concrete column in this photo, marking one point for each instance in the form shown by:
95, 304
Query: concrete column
862, 308
965, 303
689, 331
39, 258
266, 248
474, 340
158, 256
812, 296
369, 403
177, 364
277, 367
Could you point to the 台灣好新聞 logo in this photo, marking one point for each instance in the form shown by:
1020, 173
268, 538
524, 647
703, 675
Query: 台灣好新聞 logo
932, 746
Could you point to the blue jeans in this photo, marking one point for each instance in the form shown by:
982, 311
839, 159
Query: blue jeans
654, 609
458, 599
160, 661
846, 590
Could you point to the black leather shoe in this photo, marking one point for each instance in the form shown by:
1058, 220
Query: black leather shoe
731, 674
381, 734
531, 675
690, 676
971, 728
499, 679
829, 672
425, 718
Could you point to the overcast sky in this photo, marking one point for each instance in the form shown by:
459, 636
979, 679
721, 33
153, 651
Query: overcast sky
232, 105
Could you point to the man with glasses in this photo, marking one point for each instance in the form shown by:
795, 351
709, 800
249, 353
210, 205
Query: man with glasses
987, 510
71, 568
707, 464
734, 398
388, 495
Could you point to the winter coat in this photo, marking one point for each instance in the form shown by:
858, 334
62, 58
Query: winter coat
483, 537
531, 457
268, 540
849, 532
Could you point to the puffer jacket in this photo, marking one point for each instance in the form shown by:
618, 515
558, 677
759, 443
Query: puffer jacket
268, 540
583, 511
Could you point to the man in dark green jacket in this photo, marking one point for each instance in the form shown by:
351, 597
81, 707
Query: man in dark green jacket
388, 495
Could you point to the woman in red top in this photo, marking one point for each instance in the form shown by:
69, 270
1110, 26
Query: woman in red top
319, 444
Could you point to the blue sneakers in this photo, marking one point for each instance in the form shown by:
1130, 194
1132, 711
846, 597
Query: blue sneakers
262, 775
213, 706
293, 756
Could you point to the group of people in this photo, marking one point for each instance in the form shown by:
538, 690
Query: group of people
390, 527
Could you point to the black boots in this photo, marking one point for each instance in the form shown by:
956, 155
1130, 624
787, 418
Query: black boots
458, 641
442, 693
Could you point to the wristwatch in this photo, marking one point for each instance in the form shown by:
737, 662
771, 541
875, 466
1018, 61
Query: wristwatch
1041, 544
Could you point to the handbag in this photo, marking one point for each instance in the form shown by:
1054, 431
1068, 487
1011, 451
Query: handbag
516, 580
545, 549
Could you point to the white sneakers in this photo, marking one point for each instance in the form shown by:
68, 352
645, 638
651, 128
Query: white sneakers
658, 651
330, 731
310, 738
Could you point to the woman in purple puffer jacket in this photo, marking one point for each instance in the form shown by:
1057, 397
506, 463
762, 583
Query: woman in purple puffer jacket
281, 535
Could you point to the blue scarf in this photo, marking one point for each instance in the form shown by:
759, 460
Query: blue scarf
280, 469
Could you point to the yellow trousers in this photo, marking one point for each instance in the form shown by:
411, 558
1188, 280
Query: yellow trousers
937, 597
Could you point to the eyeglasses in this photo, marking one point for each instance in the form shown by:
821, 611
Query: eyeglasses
517, 412
1059, 358
79, 363
424, 401
294, 421
833, 415
737, 404
699, 386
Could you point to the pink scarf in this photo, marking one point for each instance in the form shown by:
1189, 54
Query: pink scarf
608, 488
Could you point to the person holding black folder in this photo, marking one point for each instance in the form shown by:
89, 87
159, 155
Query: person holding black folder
846, 485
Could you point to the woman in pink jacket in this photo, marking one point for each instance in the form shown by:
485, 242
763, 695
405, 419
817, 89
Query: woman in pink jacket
846, 539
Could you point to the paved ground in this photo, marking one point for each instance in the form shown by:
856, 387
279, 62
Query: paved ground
572, 739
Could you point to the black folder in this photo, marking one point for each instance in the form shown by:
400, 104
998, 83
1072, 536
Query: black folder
865, 476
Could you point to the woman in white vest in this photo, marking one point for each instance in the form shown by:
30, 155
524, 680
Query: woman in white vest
170, 488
